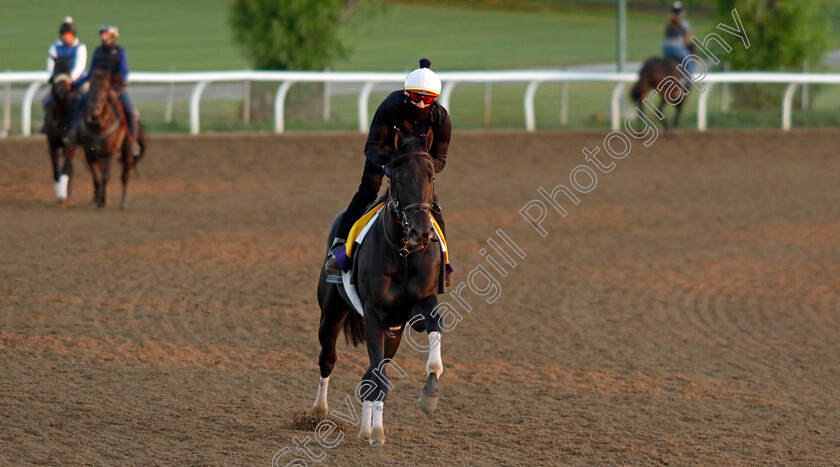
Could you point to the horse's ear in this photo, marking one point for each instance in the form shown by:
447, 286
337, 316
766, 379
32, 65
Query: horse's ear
430, 138
398, 139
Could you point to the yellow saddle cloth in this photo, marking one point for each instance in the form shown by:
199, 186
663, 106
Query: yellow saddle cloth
359, 227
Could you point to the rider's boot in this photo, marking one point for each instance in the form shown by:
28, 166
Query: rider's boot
133, 145
338, 255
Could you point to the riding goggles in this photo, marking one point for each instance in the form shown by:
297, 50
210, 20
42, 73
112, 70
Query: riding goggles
422, 96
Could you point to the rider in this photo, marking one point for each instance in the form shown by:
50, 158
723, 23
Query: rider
66, 56
412, 110
677, 34
110, 58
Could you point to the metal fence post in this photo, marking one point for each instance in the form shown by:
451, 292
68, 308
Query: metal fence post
280, 106
616, 105
26, 111
194, 106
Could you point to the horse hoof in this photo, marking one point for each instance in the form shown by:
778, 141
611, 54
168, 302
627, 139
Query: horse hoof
428, 404
364, 433
320, 410
377, 437
429, 397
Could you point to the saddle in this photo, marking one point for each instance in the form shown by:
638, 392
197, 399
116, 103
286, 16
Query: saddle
358, 233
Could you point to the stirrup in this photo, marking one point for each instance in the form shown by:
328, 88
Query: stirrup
332, 266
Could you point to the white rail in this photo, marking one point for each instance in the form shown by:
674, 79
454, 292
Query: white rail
532, 79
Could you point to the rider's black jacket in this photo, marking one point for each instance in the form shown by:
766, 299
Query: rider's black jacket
397, 111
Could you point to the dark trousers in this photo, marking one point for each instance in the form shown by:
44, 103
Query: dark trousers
367, 193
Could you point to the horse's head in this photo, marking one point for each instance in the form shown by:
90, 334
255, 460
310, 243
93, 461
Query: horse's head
98, 98
61, 87
412, 188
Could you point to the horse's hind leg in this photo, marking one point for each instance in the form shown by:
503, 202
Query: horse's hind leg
127, 162
328, 331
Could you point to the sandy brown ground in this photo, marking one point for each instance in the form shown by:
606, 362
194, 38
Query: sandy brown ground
686, 312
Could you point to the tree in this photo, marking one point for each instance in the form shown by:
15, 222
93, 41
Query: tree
783, 35
291, 34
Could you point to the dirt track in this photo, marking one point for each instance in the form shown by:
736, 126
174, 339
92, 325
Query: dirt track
686, 312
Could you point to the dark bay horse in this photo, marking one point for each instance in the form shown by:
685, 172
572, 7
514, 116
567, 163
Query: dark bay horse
102, 134
56, 125
661, 74
398, 269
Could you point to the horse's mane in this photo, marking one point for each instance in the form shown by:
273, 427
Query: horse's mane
411, 146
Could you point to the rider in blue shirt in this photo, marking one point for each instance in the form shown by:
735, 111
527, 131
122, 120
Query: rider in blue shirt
67, 56
110, 58
677, 32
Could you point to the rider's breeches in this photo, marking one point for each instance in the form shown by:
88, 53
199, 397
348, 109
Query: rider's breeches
678, 54
128, 108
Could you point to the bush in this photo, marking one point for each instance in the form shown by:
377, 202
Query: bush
783, 35
290, 34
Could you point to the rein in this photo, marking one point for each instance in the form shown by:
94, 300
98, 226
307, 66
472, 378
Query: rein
400, 214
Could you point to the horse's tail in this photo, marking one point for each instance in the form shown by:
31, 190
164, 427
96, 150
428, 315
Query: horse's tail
354, 328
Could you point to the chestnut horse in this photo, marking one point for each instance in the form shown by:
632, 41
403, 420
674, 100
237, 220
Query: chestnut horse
102, 134
656, 74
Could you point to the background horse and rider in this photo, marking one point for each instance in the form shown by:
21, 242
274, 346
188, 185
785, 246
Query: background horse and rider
662, 74
103, 134
397, 275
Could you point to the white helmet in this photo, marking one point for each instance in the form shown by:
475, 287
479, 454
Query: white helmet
423, 80
109, 28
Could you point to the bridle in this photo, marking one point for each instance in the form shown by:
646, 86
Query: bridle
402, 214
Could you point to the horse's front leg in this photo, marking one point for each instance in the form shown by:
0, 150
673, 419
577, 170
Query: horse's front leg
664, 120
106, 175
66, 171
56, 171
373, 388
96, 170
677, 116
434, 364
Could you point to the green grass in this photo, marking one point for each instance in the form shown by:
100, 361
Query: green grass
194, 35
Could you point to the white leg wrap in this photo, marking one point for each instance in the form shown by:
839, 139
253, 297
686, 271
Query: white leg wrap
321, 398
377, 413
434, 364
63, 181
364, 426
57, 186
